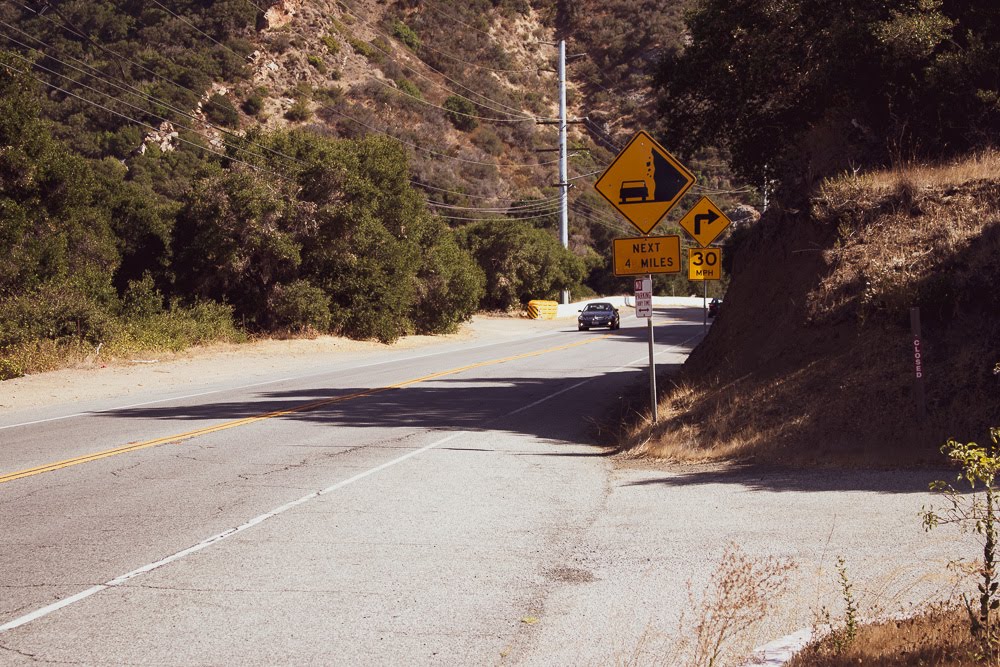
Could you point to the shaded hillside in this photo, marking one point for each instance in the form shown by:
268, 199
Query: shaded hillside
811, 359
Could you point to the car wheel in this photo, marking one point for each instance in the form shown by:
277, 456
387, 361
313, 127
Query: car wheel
583, 328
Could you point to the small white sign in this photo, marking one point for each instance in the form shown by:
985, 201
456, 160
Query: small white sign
643, 297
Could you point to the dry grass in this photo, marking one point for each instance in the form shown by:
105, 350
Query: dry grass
979, 167
812, 361
740, 595
939, 637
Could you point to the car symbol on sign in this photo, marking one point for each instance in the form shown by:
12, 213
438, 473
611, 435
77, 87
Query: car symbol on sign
632, 189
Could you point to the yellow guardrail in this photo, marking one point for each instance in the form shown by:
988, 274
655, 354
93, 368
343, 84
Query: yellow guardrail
542, 310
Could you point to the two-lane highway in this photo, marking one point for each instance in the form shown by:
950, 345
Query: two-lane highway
439, 506
405, 511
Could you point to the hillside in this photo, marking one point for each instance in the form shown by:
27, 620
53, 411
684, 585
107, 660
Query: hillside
220, 160
811, 359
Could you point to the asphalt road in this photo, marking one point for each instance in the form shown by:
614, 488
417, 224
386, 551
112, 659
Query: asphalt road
445, 507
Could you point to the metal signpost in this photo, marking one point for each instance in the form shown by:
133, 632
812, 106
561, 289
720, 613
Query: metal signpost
643, 183
644, 308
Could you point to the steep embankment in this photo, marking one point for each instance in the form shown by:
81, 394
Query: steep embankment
812, 360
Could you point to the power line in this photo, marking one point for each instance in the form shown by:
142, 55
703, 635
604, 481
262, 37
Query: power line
157, 76
139, 122
376, 30
519, 217
73, 30
529, 206
412, 145
132, 89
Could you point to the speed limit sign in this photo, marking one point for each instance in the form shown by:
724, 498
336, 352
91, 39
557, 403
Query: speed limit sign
704, 263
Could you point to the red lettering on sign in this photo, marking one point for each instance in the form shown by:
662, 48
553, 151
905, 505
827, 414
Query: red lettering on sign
918, 365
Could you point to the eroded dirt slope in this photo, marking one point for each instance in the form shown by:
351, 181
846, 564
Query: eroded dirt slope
812, 359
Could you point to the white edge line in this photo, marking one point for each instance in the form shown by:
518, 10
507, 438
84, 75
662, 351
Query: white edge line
780, 651
261, 384
117, 581
591, 379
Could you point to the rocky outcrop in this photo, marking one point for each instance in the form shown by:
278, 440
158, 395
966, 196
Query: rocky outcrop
280, 14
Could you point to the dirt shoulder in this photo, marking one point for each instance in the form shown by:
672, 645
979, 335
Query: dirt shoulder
106, 378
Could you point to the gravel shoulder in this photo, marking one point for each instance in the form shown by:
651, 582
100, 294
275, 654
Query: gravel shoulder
112, 378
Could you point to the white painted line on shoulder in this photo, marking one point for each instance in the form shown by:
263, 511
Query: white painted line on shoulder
780, 651
258, 384
117, 581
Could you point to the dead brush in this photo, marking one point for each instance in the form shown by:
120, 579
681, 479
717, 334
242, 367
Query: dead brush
742, 592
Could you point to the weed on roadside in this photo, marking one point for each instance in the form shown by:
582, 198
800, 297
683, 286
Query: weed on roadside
742, 592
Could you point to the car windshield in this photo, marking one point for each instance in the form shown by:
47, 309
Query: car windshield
598, 306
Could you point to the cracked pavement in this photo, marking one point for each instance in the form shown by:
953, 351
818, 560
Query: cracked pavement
466, 519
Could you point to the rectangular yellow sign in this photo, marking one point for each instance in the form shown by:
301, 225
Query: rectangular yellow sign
704, 263
647, 255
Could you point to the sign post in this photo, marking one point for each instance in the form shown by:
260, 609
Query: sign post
643, 183
918, 364
644, 308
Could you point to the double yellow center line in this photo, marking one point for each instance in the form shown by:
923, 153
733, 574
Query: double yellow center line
305, 407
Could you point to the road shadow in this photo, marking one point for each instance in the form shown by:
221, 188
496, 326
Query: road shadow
558, 409
754, 477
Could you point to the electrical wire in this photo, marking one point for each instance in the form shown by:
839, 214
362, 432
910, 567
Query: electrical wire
132, 89
376, 30
144, 124
154, 74
551, 208
553, 204
415, 146
519, 217
465, 62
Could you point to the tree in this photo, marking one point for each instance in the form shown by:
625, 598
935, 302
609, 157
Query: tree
520, 262
57, 243
235, 240
796, 89
461, 112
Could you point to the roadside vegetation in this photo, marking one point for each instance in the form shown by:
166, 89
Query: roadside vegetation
173, 157
821, 371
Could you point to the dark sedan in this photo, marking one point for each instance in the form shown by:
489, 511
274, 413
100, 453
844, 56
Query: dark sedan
598, 314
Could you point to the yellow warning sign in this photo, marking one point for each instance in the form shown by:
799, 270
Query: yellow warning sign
647, 255
704, 263
644, 182
705, 222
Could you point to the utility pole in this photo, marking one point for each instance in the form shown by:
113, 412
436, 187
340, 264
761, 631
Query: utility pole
564, 123
563, 160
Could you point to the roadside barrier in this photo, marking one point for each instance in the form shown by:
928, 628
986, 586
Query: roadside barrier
542, 310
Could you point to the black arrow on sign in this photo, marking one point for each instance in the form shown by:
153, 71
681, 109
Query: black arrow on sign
707, 218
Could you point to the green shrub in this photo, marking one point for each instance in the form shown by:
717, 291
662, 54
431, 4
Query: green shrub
405, 34
175, 329
253, 104
330, 95
299, 111
142, 299
299, 307
331, 43
410, 88
365, 49
461, 112
221, 111
317, 63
